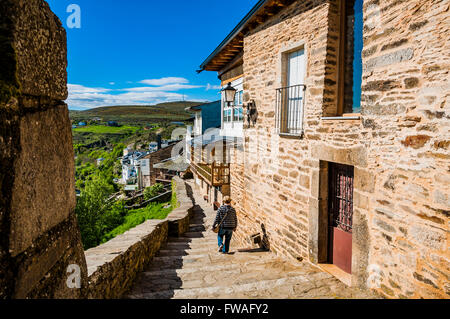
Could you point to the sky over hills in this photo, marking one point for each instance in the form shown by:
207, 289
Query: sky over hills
143, 52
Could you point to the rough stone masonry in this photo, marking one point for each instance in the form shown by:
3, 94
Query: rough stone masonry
399, 146
39, 236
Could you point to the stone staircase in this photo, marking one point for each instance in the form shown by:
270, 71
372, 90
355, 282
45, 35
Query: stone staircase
191, 267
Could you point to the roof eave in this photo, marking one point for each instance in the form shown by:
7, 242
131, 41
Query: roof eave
241, 25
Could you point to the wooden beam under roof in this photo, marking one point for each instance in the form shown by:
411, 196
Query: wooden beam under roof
262, 11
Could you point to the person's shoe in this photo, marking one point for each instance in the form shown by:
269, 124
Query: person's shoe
220, 248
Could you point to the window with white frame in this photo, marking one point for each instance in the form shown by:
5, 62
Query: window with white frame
238, 111
290, 97
233, 113
227, 115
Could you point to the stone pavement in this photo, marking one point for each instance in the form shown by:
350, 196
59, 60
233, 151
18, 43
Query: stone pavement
191, 267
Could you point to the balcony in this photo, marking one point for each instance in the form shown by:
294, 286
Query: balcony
290, 110
215, 173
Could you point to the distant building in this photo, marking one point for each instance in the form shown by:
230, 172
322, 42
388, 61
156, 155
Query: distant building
131, 165
113, 124
206, 116
128, 150
165, 170
153, 147
147, 175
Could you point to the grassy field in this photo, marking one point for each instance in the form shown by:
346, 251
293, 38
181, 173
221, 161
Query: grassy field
102, 129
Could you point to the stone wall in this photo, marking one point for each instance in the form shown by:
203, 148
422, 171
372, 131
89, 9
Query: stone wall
274, 188
39, 233
113, 266
399, 146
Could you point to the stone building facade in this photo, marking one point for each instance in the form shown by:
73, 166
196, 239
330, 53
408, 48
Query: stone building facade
397, 147
155, 173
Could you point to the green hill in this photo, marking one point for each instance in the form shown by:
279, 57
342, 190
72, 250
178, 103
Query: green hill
137, 114
139, 124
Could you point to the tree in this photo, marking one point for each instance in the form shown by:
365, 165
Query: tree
96, 215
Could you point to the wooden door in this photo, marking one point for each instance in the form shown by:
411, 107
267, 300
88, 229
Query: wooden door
340, 206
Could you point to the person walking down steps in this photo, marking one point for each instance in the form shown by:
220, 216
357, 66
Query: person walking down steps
225, 224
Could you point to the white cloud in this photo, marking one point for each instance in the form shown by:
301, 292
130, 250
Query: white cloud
212, 87
86, 98
165, 81
169, 87
112, 83
161, 90
77, 89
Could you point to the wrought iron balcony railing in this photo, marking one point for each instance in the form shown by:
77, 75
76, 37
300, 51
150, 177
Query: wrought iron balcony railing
290, 109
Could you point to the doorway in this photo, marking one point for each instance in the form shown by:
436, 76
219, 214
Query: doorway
340, 214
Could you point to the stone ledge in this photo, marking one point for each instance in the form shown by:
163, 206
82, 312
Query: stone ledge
113, 266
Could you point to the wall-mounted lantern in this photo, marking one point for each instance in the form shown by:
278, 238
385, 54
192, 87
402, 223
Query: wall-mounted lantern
230, 94
252, 114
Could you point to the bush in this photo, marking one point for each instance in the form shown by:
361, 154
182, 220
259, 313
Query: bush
153, 191
136, 217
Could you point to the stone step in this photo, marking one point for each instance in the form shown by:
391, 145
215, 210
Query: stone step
207, 235
185, 251
186, 238
195, 234
253, 265
218, 276
197, 228
196, 260
259, 287
189, 244
171, 262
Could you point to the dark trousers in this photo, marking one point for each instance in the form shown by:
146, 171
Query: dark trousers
227, 233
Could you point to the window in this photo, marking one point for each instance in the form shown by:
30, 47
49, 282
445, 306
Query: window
227, 115
241, 114
234, 112
238, 114
290, 98
350, 61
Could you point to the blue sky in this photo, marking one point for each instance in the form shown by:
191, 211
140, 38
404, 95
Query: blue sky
140, 52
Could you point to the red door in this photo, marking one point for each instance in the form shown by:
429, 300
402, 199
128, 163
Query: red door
340, 207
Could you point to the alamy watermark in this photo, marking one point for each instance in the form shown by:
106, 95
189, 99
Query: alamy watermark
375, 276
212, 146
74, 19
74, 278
